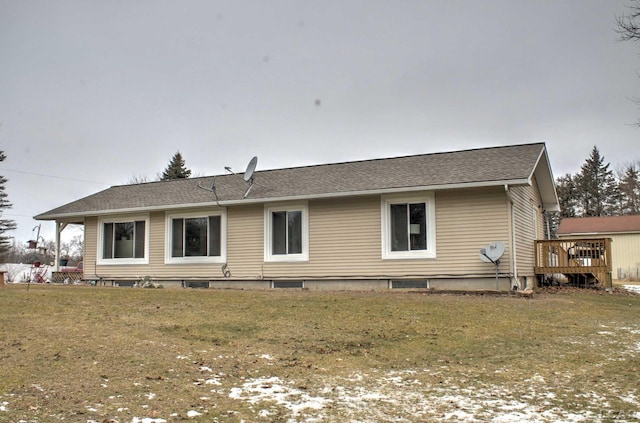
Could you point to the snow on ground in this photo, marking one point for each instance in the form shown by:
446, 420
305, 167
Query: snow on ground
428, 394
632, 288
380, 397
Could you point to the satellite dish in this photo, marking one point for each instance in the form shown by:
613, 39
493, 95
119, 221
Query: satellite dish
248, 174
493, 252
251, 167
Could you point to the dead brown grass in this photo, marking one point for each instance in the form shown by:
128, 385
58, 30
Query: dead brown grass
117, 354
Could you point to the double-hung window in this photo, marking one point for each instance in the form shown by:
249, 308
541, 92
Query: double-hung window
123, 241
408, 226
196, 237
287, 233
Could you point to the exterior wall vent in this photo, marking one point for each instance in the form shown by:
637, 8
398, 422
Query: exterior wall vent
288, 284
410, 284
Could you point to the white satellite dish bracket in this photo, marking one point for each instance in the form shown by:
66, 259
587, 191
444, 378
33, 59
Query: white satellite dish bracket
248, 174
211, 189
492, 253
213, 186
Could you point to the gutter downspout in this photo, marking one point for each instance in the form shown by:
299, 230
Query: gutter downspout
512, 236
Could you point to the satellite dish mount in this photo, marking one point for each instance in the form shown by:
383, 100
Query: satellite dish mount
248, 174
492, 253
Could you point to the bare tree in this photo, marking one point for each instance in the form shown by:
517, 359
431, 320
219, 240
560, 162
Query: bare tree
628, 29
629, 23
136, 179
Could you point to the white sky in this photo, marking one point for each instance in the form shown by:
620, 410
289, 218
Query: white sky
94, 92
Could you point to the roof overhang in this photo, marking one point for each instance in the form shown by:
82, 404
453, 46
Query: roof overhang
546, 183
71, 217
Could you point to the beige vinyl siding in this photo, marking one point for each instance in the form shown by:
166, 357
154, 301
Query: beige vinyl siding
157, 267
136, 271
345, 238
344, 242
528, 226
90, 247
625, 255
468, 220
245, 241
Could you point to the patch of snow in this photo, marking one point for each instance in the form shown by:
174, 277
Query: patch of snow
266, 357
3, 405
151, 395
401, 396
193, 413
147, 420
632, 288
264, 413
630, 398
274, 389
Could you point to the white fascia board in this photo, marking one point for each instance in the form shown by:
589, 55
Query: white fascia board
225, 203
549, 204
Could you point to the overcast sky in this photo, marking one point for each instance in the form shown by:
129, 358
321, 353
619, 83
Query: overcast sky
95, 92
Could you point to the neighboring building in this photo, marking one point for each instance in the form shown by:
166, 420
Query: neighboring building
624, 232
404, 222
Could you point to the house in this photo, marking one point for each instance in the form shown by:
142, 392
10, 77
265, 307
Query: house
624, 232
404, 222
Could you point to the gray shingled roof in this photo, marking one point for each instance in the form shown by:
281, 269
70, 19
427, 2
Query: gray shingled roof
488, 165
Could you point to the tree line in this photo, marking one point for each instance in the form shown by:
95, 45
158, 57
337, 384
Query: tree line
596, 190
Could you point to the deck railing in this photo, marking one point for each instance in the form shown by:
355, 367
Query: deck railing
575, 256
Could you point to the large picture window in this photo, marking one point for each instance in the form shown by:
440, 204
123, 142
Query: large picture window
287, 233
123, 241
408, 226
195, 237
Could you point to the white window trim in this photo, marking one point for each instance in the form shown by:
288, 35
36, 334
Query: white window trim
302, 257
222, 258
120, 261
386, 201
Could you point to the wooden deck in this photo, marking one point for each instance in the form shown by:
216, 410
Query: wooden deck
586, 258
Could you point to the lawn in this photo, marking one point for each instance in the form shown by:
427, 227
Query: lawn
88, 354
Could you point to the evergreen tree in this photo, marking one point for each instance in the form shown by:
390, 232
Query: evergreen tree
567, 195
176, 169
629, 184
598, 193
6, 225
